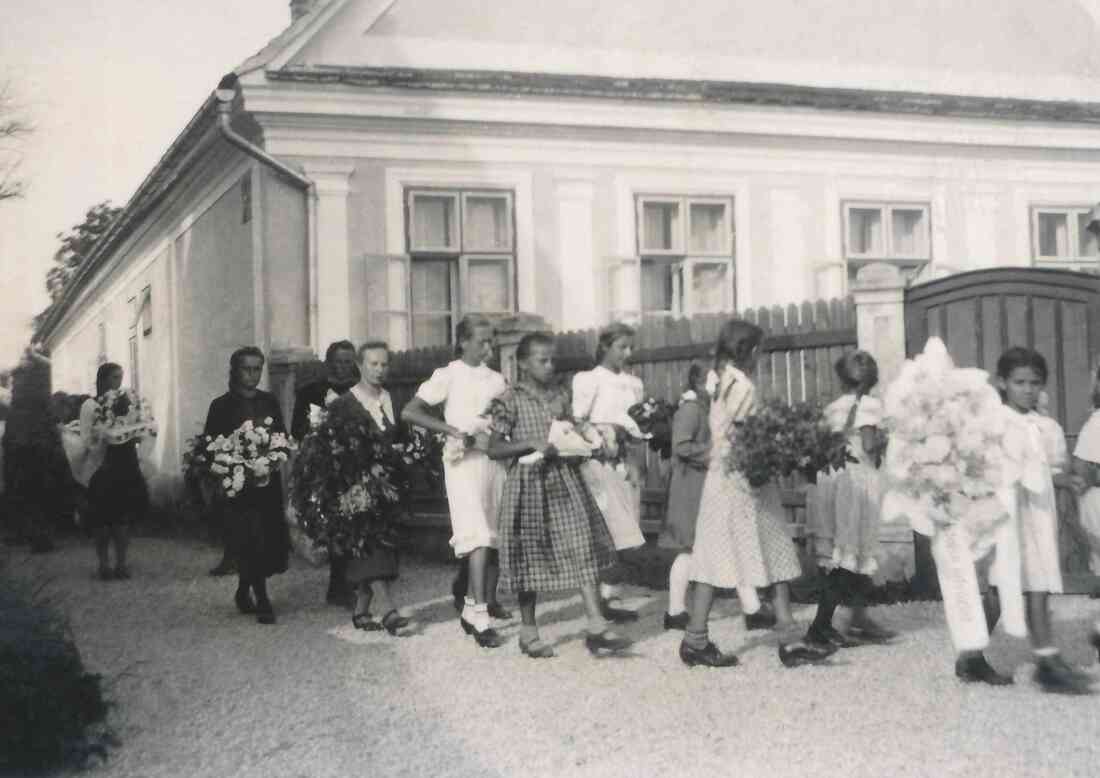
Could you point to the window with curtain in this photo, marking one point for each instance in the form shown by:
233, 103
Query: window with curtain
687, 255
896, 233
462, 259
1060, 233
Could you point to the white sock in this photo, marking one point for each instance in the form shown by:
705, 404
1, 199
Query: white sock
468, 606
1046, 651
610, 592
481, 620
678, 584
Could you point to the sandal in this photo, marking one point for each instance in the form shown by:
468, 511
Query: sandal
394, 621
365, 621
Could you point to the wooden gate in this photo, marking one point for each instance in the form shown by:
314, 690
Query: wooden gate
979, 315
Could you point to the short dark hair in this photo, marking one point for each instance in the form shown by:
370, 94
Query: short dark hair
609, 334
696, 370
523, 350
369, 346
338, 345
736, 341
1018, 356
857, 371
103, 375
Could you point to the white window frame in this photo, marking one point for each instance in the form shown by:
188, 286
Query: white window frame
1071, 212
886, 209
457, 255
680, 259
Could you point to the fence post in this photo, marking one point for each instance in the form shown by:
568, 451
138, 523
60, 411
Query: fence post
879, 296
510, 331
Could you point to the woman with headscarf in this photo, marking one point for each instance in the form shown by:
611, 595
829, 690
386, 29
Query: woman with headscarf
256, 532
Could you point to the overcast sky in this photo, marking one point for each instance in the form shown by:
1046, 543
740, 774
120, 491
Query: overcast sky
108, 85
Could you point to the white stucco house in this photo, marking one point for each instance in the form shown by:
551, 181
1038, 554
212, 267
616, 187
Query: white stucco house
384, 166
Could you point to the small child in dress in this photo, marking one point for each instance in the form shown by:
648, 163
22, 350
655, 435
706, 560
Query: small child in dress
465, 388
741, 538
1021, 375
1086, 464
690, 459
844, 520
552, 535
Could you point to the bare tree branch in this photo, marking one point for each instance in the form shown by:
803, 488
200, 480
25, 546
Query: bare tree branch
13, 126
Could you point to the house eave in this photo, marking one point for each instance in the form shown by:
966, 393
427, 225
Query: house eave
549, 85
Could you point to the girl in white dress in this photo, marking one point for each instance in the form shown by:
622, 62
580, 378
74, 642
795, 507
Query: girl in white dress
741, 538
465, 388
1086, 464
1021, 375
844, 509
602, 396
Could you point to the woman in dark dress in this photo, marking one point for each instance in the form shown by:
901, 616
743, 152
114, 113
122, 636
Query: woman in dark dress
256, 532
117, 493
372, 567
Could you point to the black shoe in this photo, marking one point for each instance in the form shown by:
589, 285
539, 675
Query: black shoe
708, 656
1056, 677
762, 619
244, 601
870, 632
976, 669
607, 641
679, 621
798, 654
224, 567
828, 636
265, 614
617, 615
499, 612
488, 638
394, 621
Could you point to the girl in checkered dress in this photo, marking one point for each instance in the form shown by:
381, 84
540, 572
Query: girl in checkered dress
552, 536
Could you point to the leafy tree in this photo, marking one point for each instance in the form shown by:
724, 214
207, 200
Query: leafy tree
76, 247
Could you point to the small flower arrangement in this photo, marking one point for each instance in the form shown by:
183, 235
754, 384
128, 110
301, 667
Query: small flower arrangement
946, 459
123, 416
654, 419
348, 484
245, 459
782, 439
454, 448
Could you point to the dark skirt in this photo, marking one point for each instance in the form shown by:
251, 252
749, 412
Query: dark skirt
257, 535
377, 564
117, 493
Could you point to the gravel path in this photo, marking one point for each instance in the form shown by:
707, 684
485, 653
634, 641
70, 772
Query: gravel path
203, 691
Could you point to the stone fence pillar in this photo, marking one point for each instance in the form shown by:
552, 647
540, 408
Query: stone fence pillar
510, 331
879, 295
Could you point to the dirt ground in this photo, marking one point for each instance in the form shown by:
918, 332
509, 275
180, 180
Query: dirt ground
202, 691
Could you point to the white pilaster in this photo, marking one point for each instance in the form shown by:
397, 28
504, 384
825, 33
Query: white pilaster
879, 295
576, 253
333, 260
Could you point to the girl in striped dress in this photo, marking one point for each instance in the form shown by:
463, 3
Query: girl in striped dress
552, 535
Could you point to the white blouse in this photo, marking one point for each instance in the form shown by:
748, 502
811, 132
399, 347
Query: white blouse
464, 391
379, 406
603, 397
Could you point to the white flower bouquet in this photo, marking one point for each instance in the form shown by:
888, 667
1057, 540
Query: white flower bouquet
123, 416
454, 449
946, 460
247, 457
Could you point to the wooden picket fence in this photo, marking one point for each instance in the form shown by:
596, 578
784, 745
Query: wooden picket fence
802, 344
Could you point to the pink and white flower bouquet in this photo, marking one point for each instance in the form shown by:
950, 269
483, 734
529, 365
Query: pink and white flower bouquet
946, 461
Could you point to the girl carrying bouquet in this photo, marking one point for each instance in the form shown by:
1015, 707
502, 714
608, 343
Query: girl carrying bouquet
256, 531
465, 388
741, 539
117, 493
